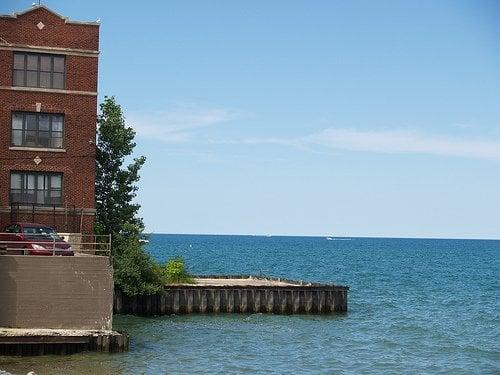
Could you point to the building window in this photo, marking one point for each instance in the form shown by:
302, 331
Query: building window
39, 70
37, 130
36, 188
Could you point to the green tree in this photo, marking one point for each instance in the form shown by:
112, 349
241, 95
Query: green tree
116, 211
115, 185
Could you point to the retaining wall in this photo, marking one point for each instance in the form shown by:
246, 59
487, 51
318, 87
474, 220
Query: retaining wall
68, 292
188, 299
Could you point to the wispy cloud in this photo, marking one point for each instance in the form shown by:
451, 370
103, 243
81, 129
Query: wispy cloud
182, 123
407, 142
177, 123
392, 142
463, 125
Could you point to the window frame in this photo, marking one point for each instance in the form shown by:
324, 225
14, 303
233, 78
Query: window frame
47, 190
38, 71
24, 129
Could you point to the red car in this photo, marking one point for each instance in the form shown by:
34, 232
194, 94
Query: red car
34, 239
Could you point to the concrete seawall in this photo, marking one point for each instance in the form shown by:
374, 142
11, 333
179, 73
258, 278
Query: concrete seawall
237, 294
56, 292
57, 305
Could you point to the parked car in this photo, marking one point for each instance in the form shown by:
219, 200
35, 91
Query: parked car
34, 239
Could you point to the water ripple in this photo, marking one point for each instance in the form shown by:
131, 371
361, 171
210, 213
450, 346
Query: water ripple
415, 306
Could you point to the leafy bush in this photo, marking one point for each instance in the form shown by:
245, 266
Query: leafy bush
175, 272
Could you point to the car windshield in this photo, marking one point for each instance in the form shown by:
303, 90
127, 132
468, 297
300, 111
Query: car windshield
41, 233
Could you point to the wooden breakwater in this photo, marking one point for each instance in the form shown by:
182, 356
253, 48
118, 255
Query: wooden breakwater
53, 342
233, 294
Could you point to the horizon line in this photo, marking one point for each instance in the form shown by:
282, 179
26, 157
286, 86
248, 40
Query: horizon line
327, 236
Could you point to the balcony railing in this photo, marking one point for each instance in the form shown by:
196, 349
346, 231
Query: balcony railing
66, 218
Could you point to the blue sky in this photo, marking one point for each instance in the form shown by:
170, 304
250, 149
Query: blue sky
357, 118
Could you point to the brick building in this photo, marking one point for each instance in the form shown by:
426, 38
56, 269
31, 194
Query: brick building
48, 106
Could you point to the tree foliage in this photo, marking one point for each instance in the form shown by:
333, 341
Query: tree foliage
115, 185
116, 211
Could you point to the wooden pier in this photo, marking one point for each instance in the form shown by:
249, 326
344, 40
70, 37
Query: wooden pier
237, 294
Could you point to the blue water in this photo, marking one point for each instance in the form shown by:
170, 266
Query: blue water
415, 306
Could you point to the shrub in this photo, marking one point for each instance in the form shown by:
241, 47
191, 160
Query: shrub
136, 273
174, 272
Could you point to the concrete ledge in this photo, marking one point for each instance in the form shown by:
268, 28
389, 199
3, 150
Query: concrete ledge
36, 149
250, 281
51, 50
50, 91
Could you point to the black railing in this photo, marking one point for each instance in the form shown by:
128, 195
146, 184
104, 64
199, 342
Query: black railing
65, 218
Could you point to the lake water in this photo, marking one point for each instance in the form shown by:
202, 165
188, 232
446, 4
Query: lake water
415, 306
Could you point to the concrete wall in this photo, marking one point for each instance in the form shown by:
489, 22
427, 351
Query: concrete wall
56, 292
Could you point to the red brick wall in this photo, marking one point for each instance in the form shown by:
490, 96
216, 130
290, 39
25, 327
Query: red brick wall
6, 58
56, 33
81, 73
78, 162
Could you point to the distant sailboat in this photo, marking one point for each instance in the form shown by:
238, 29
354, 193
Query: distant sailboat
144, 238
329, 238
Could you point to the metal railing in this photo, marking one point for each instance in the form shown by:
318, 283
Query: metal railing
46, 244
64, 217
